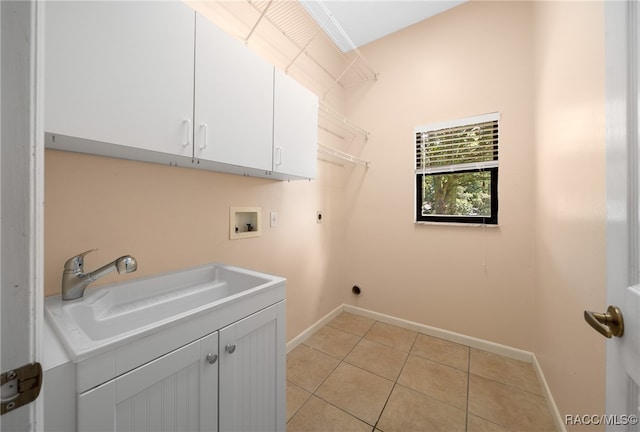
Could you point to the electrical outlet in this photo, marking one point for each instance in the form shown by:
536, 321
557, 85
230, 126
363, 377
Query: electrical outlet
273, 217
319, 216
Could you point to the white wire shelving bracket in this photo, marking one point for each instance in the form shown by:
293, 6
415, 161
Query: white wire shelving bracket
340, 127
342, 155
295, 22
342, 122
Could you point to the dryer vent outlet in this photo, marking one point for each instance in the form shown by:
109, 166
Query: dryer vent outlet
356, 290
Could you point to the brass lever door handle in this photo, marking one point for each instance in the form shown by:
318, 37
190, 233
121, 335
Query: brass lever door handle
608, 324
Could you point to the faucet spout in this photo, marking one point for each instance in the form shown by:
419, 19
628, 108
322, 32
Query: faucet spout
124, 264
75, 281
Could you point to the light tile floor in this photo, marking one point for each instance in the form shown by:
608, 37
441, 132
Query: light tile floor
357, 374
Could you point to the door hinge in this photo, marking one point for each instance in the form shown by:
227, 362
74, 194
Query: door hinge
20, 386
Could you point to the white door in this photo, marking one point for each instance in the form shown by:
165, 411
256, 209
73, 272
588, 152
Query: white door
21, 183
623, 213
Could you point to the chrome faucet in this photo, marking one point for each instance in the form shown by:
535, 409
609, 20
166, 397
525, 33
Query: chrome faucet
74, 281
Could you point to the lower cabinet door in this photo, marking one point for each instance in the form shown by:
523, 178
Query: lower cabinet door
176, 392
252, 372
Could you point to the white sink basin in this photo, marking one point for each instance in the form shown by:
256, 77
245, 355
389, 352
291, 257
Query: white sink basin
117, 313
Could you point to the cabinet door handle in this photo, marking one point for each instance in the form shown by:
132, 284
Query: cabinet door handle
212, 358
230, 349
188, 140
204, 139
278, 155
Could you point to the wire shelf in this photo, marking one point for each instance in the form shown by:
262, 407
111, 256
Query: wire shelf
342, 155
346, 131
346, 67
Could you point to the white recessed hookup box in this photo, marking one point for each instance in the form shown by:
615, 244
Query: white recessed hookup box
244, 222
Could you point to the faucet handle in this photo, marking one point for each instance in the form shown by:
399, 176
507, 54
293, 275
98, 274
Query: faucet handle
75, 263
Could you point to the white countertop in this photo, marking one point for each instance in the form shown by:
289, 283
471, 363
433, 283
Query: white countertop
54, 353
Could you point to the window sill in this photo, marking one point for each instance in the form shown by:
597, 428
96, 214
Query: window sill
457, 224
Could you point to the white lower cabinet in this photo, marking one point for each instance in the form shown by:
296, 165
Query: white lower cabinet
176, 392
230, 380
252, 372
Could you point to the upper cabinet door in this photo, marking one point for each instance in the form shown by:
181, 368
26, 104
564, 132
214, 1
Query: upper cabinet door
233, 101
121, 72
295, 129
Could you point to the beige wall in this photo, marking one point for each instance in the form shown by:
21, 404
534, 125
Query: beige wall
525, 283
473, 59
170, 218
522, 284
570, 200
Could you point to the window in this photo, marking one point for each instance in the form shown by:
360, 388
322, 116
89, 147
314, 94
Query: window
457, 171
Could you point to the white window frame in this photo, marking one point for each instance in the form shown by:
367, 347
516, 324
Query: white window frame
423, 167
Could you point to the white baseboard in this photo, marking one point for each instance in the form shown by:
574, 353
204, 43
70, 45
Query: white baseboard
557, 418
484, 345
313, 328
481, 344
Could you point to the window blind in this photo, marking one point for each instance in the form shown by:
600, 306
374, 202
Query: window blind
469, 144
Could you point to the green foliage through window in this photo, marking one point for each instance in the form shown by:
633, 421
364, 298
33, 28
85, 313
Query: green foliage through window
457, 171
467, 194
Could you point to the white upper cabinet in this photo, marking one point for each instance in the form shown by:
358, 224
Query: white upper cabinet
233, 101
121, 73
295, 128
157, 82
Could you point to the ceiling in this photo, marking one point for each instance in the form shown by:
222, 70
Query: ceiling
367, 20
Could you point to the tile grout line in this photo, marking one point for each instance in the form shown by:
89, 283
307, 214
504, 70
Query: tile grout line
303, 403
395, 382
468, 391
375, 373
342, 360
385, 405
313, 393
507, 386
